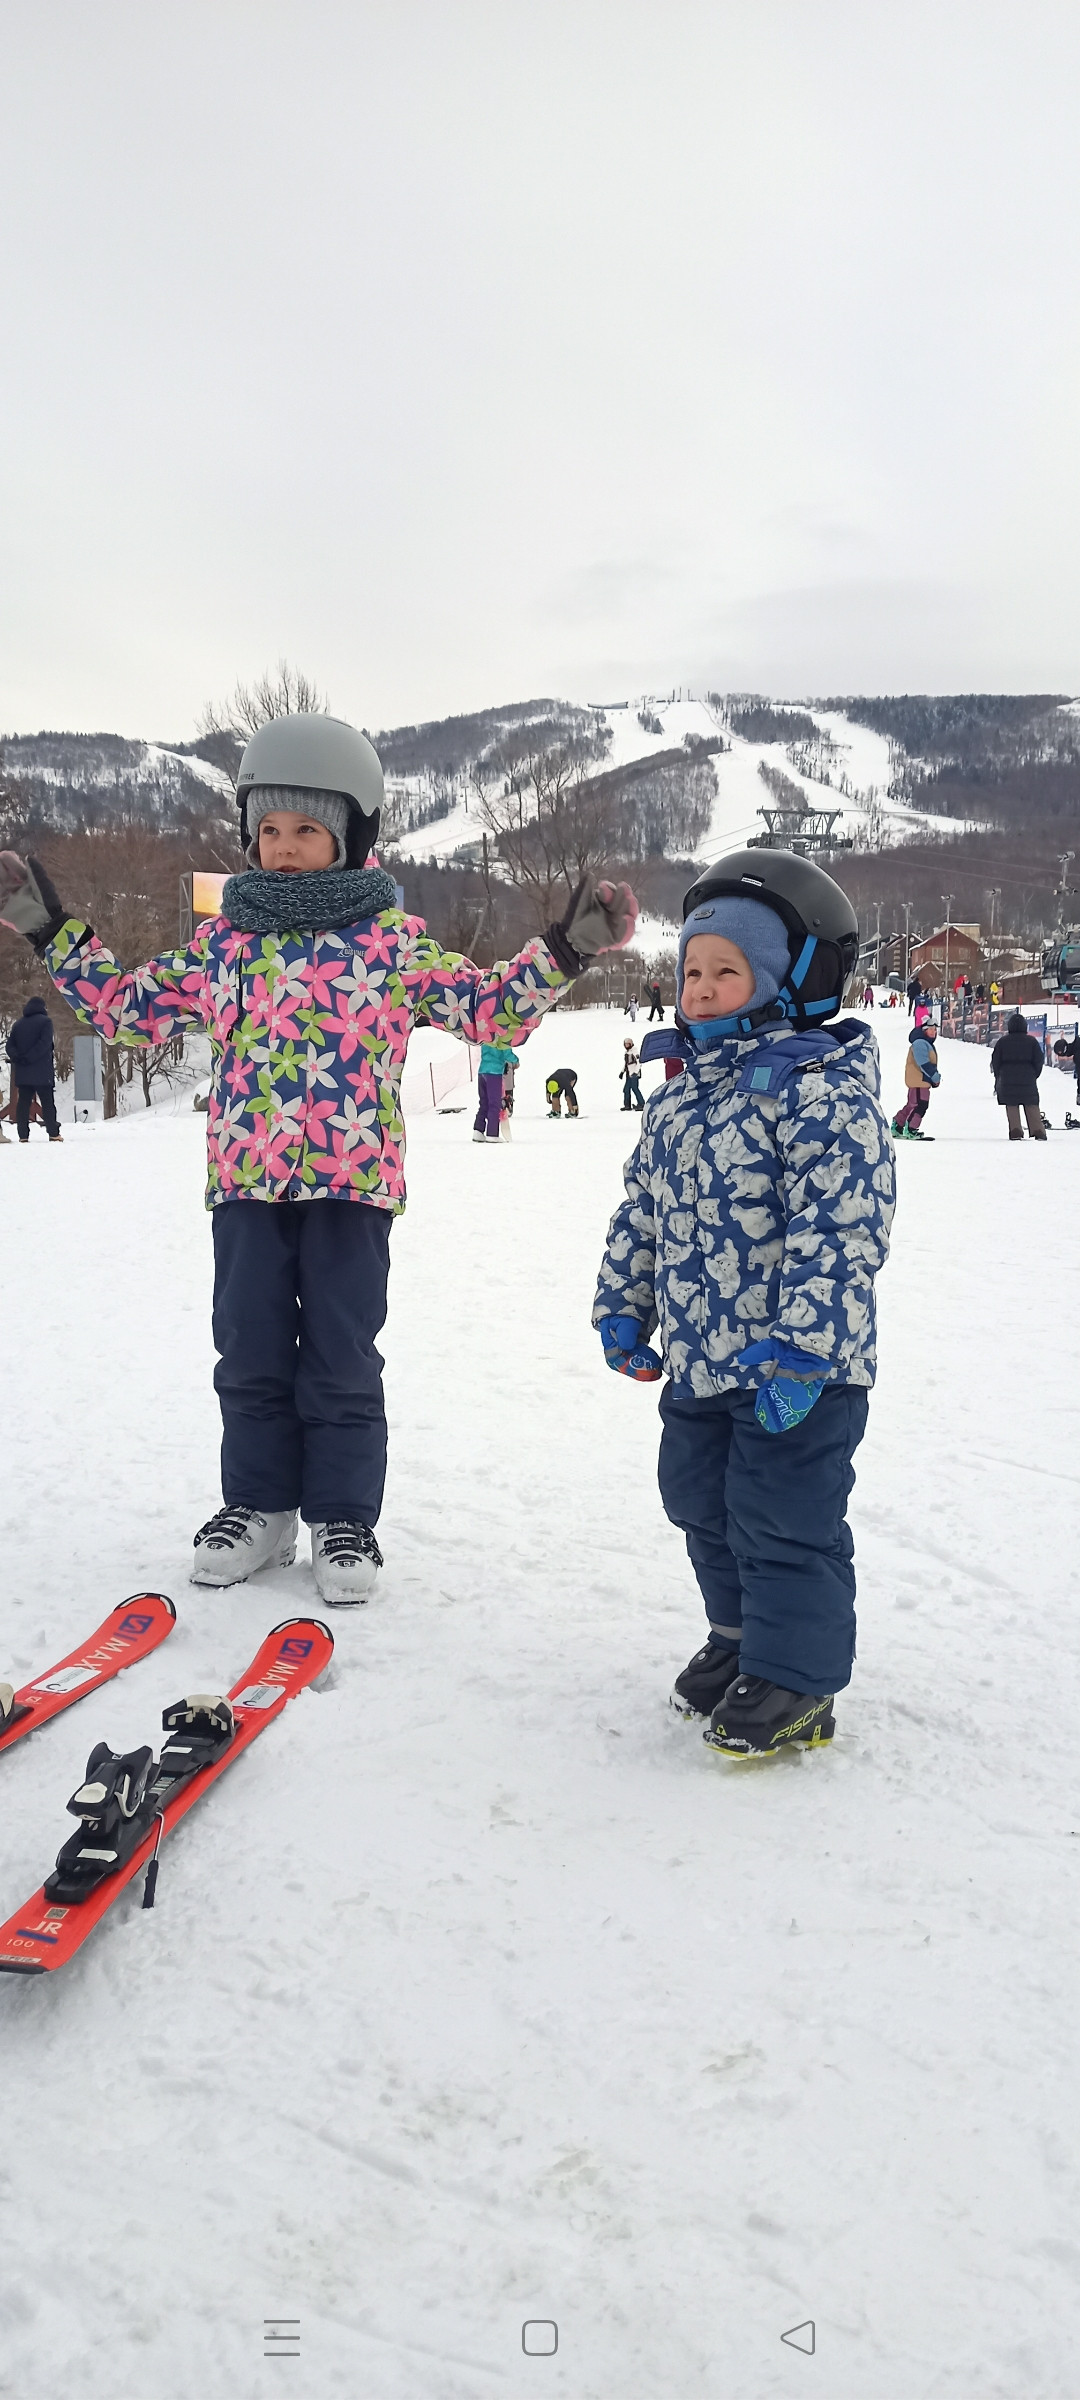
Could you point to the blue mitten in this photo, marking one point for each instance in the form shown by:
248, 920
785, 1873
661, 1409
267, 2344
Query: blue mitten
625, 1351
788, 1395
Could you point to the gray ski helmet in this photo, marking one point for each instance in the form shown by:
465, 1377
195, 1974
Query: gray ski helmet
309, 752
819, 918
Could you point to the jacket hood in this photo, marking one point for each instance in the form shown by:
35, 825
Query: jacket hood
35, 1007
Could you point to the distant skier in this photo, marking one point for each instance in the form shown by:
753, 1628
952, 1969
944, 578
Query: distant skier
31, 1049
631, 1008
757, 1213
657, 1005
922, 1076
630, 1073
1016, 1063
562, 1085
914, 993
489, 1079
309, 984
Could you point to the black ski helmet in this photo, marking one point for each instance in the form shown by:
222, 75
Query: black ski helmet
819, 917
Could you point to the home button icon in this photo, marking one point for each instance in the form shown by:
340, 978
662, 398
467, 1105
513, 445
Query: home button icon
540, 2337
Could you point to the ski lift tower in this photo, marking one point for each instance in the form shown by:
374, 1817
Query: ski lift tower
795, 825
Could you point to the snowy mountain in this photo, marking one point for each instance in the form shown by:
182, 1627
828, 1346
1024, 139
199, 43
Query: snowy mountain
844, 765
71, 780
892, 772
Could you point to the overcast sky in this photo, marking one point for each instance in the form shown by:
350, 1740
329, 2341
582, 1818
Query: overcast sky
470, 350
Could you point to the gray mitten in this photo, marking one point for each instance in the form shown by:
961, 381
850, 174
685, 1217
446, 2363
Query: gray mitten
601, 916
29, 902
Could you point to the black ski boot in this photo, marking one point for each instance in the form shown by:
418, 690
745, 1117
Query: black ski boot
117, 1808
702, 1684
756, 1719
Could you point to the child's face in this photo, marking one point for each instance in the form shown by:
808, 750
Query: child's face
718, 978
293, 844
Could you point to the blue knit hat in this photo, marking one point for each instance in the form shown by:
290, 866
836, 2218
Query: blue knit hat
760, 934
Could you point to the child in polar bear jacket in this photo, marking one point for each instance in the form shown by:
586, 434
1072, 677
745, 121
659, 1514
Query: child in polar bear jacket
757, 1214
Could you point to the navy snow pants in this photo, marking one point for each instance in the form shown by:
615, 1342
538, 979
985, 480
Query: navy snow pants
45, 1095
299, 1296
764, 1519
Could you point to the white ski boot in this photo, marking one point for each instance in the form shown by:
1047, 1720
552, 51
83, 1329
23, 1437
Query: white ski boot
235, 1543
345, 1559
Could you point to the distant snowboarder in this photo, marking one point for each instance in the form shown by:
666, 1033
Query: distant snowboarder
922, 1076
562, 1085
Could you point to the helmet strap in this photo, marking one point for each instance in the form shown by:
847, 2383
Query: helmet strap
794, 1006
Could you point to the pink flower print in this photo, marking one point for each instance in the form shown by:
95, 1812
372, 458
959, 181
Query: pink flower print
274, 1009
317, 976
343, 1026
238, 1074
343, 1150
95, 997
379, 943
315, 1117
393, 1163
270, 1144
397, 1024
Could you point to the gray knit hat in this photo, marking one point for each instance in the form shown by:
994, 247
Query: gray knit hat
328, 808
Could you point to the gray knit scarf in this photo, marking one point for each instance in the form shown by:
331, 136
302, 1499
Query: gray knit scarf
263, 902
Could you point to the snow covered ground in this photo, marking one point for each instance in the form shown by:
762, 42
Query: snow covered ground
479, 1993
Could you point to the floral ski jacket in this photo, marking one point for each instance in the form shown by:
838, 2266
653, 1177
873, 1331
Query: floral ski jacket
758, 1201
308, 1034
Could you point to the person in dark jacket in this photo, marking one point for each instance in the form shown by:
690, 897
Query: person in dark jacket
33, 1064
1064, 1049
1016, 1063
914, 993
656, 1002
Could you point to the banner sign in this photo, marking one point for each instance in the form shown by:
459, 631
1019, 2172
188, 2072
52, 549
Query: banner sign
206, 891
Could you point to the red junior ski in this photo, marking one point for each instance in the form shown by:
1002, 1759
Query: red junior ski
129, 1803
131, 1632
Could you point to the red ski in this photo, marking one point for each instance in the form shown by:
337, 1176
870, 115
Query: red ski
131, 1632
46, 1932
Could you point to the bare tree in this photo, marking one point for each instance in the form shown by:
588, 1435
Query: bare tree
287, 693
552, 821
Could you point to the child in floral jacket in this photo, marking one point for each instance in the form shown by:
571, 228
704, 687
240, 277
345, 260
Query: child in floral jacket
309, 984
757, 1214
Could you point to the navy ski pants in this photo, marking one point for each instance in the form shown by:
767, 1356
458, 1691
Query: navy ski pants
299, 1296
764, 1519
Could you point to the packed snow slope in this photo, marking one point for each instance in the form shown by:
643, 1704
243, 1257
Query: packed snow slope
859, 762
479, 1993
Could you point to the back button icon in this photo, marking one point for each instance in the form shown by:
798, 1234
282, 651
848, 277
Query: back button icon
802, 2337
